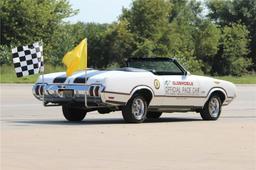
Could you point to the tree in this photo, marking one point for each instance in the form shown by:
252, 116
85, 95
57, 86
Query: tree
5, 55
26, 21
207, 39
97, 48
63, 39
158, 31
121, 43
228, 12
67, 36
185, 20
217, 44
231, 57
148, 18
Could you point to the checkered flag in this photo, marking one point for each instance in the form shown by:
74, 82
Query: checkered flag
28, 59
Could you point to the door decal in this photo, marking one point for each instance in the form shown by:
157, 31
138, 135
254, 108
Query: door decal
181, 88
157, 84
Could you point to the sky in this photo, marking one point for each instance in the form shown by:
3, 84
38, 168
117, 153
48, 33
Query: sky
99, 11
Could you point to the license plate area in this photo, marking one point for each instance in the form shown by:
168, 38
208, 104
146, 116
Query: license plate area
68, 93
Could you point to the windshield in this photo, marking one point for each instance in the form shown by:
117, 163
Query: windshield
161, 67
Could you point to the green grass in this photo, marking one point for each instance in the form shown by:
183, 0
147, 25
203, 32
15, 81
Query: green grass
245, 79
7, 75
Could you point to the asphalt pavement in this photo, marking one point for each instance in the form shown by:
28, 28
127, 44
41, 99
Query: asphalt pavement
38, 137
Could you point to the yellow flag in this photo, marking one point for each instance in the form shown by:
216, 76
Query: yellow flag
76, 59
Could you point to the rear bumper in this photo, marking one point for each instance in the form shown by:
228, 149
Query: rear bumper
66, 93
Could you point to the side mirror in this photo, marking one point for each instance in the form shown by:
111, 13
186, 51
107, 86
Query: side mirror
187, 73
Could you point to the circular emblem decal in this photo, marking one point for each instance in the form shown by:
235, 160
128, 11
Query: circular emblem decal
157, 84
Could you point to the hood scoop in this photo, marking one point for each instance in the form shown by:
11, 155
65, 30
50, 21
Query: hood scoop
80, 80
61, 79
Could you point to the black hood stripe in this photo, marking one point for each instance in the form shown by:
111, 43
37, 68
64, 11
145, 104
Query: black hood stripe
81, 79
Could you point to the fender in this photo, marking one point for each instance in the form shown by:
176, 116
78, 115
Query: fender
216, 89
140, 87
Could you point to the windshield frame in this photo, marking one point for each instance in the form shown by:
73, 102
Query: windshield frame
173, 60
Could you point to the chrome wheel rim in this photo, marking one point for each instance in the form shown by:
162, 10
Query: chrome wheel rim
214, 107
138, 108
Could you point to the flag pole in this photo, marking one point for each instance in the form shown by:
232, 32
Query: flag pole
42, 70
85, 75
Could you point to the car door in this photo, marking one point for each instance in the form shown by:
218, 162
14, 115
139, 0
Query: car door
181, 89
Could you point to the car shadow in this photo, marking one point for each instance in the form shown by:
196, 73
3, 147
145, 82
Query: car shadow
100, 121
238, 117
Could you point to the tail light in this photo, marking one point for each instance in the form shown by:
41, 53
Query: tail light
91, 90
96, 90
41, 90
37, 90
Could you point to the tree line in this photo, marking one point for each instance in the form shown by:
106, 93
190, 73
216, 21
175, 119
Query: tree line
217, 37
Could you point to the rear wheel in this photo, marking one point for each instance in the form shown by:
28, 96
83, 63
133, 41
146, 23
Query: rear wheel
135, 110
154, 115
73, 114
212, 108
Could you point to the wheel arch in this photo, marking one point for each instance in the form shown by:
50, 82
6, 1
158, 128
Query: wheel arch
145, 91
218, 91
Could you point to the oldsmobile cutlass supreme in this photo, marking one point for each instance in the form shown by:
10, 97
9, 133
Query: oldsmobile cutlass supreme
146, 88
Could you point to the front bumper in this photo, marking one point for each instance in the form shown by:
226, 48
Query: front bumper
227, 101
67, 93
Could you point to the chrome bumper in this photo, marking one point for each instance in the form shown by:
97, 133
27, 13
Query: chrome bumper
228, 100
65, 93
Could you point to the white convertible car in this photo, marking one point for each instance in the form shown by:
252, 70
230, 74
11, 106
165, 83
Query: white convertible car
146, 88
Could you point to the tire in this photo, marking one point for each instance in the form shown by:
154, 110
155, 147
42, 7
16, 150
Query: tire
135, 110
73, 114
154, 115
212, 108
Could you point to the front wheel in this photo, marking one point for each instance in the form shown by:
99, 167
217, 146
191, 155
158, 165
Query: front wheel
212, 108
73, 114
135, 110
